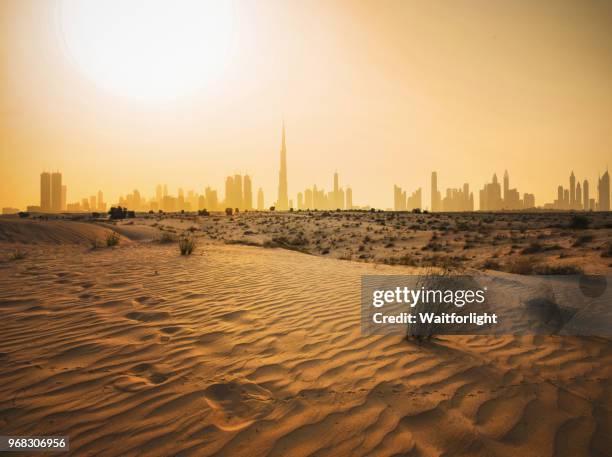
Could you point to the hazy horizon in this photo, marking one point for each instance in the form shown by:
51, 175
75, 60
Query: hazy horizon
382, 92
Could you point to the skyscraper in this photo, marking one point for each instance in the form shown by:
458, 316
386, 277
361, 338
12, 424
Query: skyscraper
64, 192
337, 202
578, 200
283, 197
491, 196
56, 192
604, 192
248, 193
260, 199
211, 199
158, 193
349, 198
506, 186
435, 194
585, 195
101, 205
572, 191
45, 191
229, 192
237, 196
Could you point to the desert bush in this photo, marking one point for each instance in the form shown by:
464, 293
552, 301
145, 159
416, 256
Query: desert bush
297, 243
112, 239
583, 239
166, 237
533, 248
579, 222
607, 250
558, 270
491, 265
436, 279
17, 255
118, 212
522, 266
245, 242
187, 245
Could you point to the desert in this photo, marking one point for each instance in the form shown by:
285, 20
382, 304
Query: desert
241, 349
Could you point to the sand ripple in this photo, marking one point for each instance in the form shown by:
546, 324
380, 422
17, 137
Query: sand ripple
247, 351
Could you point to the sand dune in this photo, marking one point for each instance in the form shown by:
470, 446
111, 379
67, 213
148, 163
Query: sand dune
28, 231
248, 351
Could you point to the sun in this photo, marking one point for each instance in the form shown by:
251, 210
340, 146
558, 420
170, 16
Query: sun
149, 49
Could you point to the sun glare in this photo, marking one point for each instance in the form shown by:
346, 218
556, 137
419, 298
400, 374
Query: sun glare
149, 49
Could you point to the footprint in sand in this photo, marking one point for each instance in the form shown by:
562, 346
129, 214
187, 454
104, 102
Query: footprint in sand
140, 377
171, 330
148, 316
236, 405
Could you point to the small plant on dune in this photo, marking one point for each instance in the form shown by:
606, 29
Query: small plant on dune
582, 240
533, 248
579, 222
166, 237
524, 266
112, 239
432, 279
17, 255
187, 245
559, 270
491, 265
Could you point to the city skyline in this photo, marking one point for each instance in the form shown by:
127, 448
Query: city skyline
460, 90
239, 194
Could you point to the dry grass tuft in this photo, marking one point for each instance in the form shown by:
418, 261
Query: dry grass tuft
112, 239
187, 245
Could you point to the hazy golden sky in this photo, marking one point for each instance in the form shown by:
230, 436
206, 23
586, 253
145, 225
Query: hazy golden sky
383, 91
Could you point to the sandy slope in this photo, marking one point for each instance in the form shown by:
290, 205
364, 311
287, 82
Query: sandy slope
248, 351
28, 231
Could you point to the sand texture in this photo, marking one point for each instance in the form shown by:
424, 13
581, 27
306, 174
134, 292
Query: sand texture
246, 351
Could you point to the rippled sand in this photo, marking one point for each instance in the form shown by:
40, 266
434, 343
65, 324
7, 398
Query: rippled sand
248, 351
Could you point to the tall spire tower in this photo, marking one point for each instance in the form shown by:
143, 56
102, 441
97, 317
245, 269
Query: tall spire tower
283, 198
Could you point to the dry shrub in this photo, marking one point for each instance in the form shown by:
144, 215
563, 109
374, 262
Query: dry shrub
187, 245
112, 239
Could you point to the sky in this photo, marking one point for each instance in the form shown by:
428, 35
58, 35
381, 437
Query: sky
383, 92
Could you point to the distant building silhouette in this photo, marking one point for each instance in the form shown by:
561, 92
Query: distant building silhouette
578, 197
63, 197
529, 201
435, 193
229, 192
101, 204
572, 191
402, 202
494, 198
283, 195
316, 198
506, 185
211, 200
247, 202
458, 199
237, 192
260, 200
45, 191
603, 190
56, 192
490, 196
